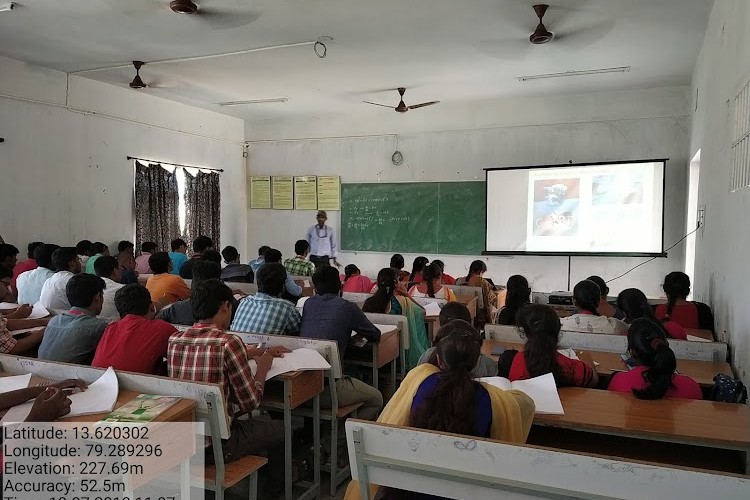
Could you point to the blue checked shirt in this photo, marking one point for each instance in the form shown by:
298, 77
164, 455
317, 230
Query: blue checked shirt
261, 313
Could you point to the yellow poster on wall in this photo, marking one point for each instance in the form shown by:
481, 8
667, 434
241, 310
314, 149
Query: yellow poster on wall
329, 192
260, 191
305, 193
282, 192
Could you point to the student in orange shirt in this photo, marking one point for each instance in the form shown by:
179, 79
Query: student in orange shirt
165, 288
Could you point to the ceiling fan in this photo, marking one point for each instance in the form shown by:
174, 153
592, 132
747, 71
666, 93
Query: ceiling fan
541, 34
220, 19
137, 82
403, 108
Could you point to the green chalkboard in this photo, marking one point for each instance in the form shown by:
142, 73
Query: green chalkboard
424, 217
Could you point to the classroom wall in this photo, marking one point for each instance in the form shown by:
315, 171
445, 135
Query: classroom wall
65, 176
722, 273
456, 141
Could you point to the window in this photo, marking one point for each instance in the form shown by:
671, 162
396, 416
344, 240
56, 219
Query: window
740, 151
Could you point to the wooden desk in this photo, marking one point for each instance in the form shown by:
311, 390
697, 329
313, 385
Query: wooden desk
433, 323
692, 422
377, 354
702, 372
182, 411
703, 334
285, 393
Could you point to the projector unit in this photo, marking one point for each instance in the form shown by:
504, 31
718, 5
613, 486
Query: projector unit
561, 298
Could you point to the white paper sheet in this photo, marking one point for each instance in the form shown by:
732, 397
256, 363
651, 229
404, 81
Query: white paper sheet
541, 389
693, 338
100, 397
39, 311
568, 353
299, 359
8, 384
4, 306
432, 309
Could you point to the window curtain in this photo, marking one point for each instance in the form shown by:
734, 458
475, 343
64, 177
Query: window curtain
156, 205
202, 204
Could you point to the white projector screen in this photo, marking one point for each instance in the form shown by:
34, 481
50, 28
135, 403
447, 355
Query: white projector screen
592, 209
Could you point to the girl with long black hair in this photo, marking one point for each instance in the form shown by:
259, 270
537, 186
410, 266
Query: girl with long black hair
586, 298
416, 270
634, 305
517, 295
390, 297
654, 376
475, 277
431, 286
541, 327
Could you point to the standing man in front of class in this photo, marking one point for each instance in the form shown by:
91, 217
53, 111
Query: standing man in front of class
322, 240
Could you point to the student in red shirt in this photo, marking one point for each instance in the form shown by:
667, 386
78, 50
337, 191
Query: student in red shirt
446, 279
541, 327
654, 376
354, 281
634, 304
416, 270
137, 342
677, 288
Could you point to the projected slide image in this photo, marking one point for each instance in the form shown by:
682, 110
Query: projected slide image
617, 190
556, 205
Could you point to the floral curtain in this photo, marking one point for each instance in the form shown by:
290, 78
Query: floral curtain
202, 203
156, 205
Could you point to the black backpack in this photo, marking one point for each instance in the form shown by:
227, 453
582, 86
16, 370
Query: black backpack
728, 390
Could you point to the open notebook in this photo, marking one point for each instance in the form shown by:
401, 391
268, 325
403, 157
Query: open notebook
100, 397
541, 389
299, 359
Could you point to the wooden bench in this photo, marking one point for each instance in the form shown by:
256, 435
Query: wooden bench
210, 409
454, 466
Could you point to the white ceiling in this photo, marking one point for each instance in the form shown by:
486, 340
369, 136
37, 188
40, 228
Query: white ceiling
446, 50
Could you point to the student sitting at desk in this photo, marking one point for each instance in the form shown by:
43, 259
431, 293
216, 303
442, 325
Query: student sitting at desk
327, 316
517, 295
107, 269
541, 327
27, 265
299, 265
444, 398
397, 263
200, 245
137, 342
30, 283
6, 292
292, 291
141, 262
22, 345
165, 287
586, 297
416, 270
634, 305
687, 314
431, 286
266, 312
65, 260
72, 337
206, 353
234, 271
178, 255
98, 249
181, 312
355, 282
391, 298
445, 279
489, 297
654, 375
485, 367
605, 308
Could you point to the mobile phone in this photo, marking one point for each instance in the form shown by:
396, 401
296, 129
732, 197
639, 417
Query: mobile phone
629, 362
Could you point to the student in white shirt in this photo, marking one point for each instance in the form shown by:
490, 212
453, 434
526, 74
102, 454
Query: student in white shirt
66, 262
30, 283
107, 268
431, 286
586, 297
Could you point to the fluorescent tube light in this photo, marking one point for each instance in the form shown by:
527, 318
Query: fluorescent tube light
253, 101
620, 69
